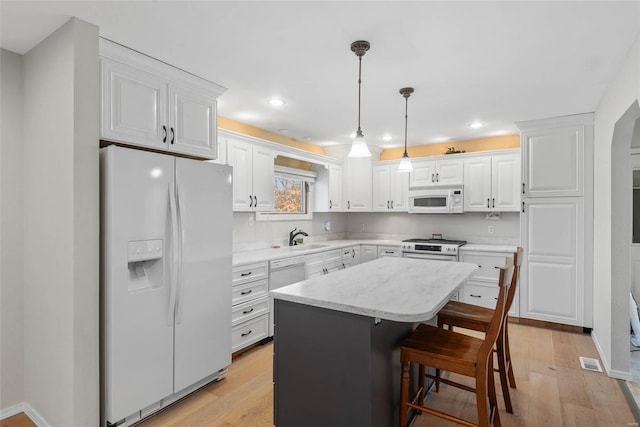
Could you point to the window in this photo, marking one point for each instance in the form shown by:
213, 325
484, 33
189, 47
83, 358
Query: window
290, 194
292, 189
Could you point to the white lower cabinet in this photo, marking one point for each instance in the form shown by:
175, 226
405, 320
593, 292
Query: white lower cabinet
322, 263
249, 305
350, 256
393, 251
482, 287
368, 253
552, 277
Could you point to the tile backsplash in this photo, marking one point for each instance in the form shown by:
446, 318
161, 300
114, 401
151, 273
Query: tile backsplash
249, 234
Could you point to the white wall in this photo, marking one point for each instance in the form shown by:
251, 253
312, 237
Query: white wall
11, 230
611, 299
61, 219
472, 226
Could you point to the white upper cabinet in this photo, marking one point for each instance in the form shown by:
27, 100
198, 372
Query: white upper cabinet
390, 188
329, 189
553, 156
193, 119
443, 171
252, 176
358, 185
145, 102
491, 183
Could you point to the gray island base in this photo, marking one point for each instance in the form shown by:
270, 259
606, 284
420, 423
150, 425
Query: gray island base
336, 356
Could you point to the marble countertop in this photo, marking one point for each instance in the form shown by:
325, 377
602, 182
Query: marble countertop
270, 254
398, 289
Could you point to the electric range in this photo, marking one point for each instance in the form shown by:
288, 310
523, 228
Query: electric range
435, 248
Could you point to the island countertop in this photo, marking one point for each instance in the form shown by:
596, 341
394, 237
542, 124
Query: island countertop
397, 289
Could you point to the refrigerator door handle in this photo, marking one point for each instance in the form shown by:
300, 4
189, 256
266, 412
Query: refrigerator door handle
179, 287
174, 258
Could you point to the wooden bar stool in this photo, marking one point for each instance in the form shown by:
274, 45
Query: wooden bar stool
477, 318
459, 353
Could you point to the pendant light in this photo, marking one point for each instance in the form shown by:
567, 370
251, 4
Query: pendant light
405, 163
359, 145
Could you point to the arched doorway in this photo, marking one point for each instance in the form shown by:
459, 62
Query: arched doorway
626, 135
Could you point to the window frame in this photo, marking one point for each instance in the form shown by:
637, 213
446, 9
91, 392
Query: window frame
309, 178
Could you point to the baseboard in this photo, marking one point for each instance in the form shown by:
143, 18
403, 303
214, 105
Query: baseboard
34, 416
11, 411
604, 360
620, 375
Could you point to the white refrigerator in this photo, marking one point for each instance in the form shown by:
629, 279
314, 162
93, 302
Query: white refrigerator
166, 233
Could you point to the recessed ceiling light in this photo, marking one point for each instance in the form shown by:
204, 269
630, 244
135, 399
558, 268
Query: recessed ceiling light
276, 102
476, 125
386, 137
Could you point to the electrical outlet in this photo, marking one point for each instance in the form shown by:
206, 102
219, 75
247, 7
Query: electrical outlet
491, 229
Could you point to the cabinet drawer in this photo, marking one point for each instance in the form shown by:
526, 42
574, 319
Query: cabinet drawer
389, 251
334, 256
488, 265
248, 273
249, 332
484, 296
314, 261
249, 310
248, 291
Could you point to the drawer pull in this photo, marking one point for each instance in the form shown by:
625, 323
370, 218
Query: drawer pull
249, 274
246, 292
388, 252
475, 296
245, 334
247, 311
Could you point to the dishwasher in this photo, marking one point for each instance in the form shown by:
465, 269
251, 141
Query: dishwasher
283, 272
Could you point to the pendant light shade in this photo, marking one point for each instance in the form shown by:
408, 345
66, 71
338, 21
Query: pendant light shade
405, 163
359, 146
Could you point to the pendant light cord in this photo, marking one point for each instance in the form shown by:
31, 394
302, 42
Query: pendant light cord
406, 119
359, 91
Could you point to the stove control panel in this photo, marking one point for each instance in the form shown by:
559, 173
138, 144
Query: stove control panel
437, 248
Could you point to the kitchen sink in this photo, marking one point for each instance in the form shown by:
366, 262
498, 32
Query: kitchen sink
307, 247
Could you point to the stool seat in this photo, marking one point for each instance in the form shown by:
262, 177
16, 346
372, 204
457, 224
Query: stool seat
477, 318
443, 349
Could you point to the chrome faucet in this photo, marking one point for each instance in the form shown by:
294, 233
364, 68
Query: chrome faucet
293, 235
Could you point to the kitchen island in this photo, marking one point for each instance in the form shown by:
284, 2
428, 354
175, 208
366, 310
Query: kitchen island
336, 356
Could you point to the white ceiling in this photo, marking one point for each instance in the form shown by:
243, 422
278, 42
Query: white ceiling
497, 62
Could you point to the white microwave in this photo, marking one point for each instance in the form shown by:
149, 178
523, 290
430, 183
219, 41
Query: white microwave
435, 199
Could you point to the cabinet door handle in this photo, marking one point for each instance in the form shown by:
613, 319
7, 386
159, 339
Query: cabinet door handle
487, 203
246, 274
523, 188
343, 266
437, 177
433, 177
173, 136
255, 201
330, 204
245, 334
522, 207
392, 204
493, 203
354, 253
164, 138
387, 204
251, 203
475, 296
246, 292
349, 204
247, 311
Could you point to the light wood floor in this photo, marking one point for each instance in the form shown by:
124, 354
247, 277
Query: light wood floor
552, 390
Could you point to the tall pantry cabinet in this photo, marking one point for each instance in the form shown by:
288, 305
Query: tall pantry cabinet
557, 220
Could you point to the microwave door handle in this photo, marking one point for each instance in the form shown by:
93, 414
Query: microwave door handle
450, 200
